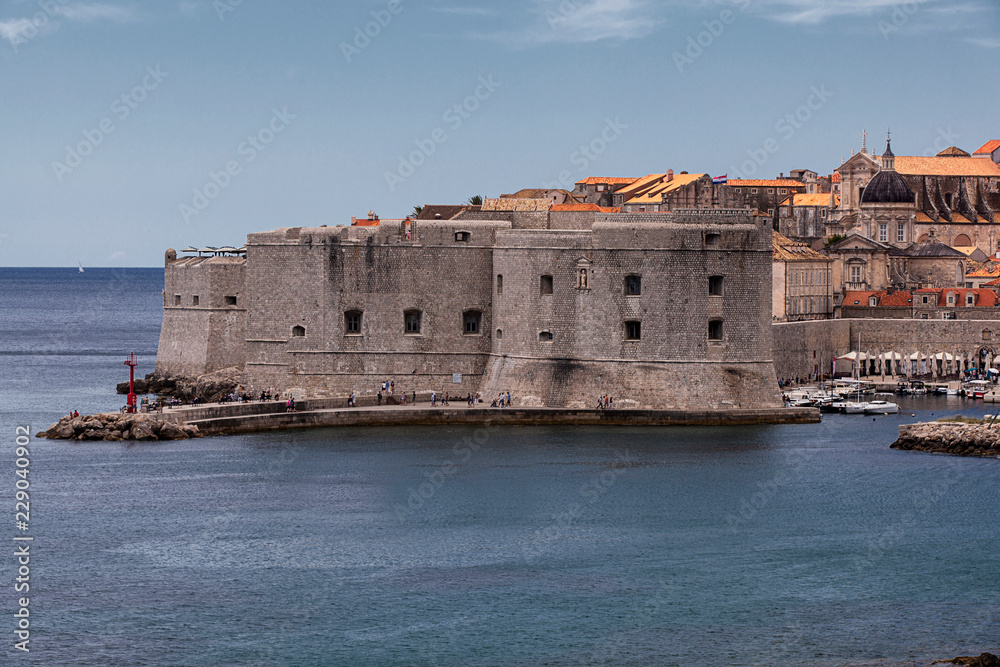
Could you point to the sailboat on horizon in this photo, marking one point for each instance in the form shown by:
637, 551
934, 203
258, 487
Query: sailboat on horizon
81, 267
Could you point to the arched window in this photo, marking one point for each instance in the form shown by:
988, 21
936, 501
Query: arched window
499, 283
962, 241
298, 332
546, 337
499, 334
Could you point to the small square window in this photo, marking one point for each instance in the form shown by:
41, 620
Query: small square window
713, 239
352, 323
715, 284
715, 331
298, 332
546, 337
633, 285
545, 285
412, 321
195, 300
462, 237
472, 322
177, 299
633, 331
230, 300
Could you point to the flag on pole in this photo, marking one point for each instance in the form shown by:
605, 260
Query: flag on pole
720, 180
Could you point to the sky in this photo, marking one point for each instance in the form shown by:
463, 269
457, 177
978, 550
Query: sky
132, 127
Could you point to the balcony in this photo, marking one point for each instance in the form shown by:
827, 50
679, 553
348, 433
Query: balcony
856, 287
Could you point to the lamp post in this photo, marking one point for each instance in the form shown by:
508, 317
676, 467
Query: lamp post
131, 363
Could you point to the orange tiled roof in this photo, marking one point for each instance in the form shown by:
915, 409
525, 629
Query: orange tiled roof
822, 199
598, 180
835, 178
786, 250
775, 183
984, 298
995, 283
364, 222
582, 208
989, 147
946, 166
985, 273
900, 299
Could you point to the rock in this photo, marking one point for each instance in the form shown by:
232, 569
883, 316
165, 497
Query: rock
65, 431
950, 437
191, 430
142, 432
983, 660
171, 432
113, 436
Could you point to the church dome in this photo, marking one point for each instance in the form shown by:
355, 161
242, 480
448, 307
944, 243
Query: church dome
888, 187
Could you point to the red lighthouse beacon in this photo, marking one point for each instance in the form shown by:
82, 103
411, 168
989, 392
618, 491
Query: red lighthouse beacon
131, 363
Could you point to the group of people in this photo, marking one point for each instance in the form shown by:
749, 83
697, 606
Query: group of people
606, 403
240, 396
501, 401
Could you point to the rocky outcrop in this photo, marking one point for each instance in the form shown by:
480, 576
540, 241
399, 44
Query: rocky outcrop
956, 438
115, 427
983, 660
210, 388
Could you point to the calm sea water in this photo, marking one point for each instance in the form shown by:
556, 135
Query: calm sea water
796, 545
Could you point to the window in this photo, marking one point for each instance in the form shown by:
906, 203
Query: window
583, 279
230, 300
600, 188
713, 239
923, 316
633, 285
900, 233
177, 299
715, 330
970, 300
739, 190
925, 298
633, 331
783, 191
298, 332
195, 300
499, 283
472, 321
462, 237
753, 191
770, 191
499, 334
872, 301
546, 337
951, 299
411, 319
770, 212
715, 286
857, 274
883, 232
822, 213
352, 322
546, 285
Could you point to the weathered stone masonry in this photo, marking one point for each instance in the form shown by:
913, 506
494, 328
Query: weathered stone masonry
556, 317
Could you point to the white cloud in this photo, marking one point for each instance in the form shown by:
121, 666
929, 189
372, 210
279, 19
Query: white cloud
19, 30
814, 12
466, 10
986, 42
584, 21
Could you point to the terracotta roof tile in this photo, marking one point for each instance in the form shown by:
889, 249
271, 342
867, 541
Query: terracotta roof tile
901, 299
989, 147
822, 199
654, 194
583, 208
786, 250
598, 180
775, 183
946, 166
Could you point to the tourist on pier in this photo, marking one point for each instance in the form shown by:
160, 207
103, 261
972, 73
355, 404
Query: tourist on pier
351, 400
445, 401
380, 397
392, 387
433, 399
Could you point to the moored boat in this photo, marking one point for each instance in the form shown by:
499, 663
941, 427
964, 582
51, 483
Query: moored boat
881, 408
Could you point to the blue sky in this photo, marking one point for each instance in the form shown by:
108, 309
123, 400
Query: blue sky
131, 127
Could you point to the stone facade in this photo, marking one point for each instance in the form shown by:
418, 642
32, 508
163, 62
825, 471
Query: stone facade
657, 310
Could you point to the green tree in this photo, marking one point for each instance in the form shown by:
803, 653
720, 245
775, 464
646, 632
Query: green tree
476, 200
416, 211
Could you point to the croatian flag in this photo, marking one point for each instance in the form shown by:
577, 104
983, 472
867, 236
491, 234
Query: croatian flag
720, 180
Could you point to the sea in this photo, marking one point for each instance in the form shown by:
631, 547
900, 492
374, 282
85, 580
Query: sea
474, 545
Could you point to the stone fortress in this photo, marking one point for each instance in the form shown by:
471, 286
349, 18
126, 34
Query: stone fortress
661, 310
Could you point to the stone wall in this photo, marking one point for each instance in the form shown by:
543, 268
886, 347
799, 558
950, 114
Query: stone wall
204, 316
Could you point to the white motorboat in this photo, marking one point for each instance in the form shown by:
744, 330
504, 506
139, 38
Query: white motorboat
854, 408
881, 408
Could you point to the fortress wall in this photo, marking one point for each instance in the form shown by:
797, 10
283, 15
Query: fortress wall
207, 335
799, 346
585, 358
